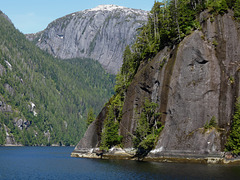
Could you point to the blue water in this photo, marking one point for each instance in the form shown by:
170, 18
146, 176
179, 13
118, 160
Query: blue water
56, 163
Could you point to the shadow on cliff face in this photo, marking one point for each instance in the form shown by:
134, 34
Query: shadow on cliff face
196, 83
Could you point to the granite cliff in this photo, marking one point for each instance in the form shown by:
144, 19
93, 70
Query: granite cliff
100, 33
192, 83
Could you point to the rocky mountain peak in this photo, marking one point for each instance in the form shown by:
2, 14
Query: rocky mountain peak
101, 33
109, 7
112, 7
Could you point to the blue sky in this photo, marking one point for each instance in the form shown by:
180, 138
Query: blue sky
31, 16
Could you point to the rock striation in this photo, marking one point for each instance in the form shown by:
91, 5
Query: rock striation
101, 33
192, 83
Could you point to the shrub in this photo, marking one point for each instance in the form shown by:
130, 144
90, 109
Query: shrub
211, 124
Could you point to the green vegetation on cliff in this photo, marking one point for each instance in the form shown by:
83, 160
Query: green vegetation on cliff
169, 22
236, 9
2, 135
44, 100
148, 127
90, 116
110, 135
233, 142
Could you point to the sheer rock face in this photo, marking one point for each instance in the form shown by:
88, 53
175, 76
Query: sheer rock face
199, 81
92, 137
192, 98
101, 34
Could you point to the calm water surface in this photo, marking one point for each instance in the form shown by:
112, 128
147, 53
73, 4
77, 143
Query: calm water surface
56, 163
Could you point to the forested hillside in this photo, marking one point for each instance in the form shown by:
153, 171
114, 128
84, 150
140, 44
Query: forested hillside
44, 100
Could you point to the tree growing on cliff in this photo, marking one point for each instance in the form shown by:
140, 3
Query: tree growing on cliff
148, 127
233, 142
127, 71
90, 116
218, 6
110, 135
237, 9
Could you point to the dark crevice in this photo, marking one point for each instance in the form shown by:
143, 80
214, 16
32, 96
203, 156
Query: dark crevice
201, 61
197, 56
145, 89
157, 82
209, 91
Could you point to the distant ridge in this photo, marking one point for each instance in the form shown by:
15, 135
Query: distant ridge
101, 33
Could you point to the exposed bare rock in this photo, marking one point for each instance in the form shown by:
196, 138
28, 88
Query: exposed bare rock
32, 108
199, 81
4, 107
2, 70
92, 137
10, 141
21, 123
101, 33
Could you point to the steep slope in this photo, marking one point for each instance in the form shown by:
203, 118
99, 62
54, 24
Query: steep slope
100, 33
5, 16
44, 100
194, 86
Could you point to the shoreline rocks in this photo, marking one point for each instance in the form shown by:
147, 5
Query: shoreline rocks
180, 157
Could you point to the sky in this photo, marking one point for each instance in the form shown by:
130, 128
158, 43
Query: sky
31, 16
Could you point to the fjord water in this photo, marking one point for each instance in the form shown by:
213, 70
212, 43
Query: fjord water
56, 163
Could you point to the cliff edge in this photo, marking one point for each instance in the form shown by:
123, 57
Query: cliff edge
192, 83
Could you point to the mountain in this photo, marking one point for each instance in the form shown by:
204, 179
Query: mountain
100, 33
180, 102
44, 100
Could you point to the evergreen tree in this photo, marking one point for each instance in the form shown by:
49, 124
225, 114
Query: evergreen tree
230, 3
127, 71
237, 9
233, 142
110, 135
127, 64
148, 126
90, 116
217, 6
